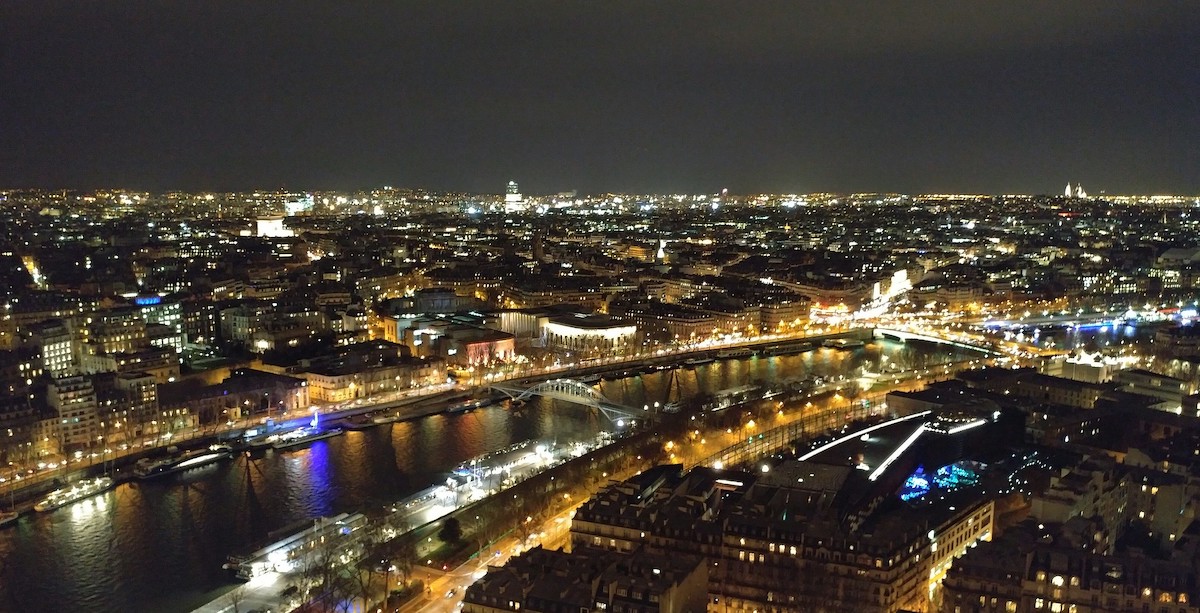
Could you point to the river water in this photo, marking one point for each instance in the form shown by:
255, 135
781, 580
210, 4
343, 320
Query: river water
159, 546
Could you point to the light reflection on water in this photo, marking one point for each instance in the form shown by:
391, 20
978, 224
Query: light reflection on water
1090, 338
159, 546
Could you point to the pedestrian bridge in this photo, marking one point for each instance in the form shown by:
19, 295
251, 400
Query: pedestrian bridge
570, 390
904, 335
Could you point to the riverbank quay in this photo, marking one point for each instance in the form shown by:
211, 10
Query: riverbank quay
518, 513
25, 483
119, 465
407, 534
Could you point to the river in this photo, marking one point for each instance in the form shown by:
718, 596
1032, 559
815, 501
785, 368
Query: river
159, 546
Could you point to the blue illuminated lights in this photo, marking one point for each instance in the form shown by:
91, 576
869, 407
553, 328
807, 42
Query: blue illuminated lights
958, 474
147, 300
948, 478
915, 486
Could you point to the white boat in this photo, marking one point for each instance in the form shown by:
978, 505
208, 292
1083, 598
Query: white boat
778, 350
725, 354
468, 405
735, 396
149, 469
697, 361
280, 556
842, 343
80, 490
302, 436
261, 441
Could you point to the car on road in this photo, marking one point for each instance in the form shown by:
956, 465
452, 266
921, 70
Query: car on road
451, 593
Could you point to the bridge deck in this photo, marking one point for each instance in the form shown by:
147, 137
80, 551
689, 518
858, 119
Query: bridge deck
570, 390
905, 335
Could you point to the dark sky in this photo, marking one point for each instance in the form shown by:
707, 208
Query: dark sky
1013, 96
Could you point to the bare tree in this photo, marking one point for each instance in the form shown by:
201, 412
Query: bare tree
342, 591
235, 597
487, 530
388, 565
402, 553
319, 569
361, 579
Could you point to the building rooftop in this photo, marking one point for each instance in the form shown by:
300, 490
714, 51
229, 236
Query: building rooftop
545, 580
595, 321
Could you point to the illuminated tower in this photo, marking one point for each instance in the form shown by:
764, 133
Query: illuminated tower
512, 195
1079, 193
1068, 192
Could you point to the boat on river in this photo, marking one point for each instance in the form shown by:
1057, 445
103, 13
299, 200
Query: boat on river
286, 554
302, 436
842, 343
735, 397
78, 491
778, 350
147, 468
726, 354
358, 422
497, 456
8, 518
468, 405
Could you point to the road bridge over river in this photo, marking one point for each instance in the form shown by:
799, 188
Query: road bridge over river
905, 335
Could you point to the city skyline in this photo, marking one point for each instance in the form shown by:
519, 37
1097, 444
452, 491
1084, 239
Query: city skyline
607, 307
628, 98
270, 357
1075, 191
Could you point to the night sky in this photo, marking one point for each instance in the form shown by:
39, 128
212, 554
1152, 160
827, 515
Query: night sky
1004, 97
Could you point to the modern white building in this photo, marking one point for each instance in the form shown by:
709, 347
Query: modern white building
272, 227
74, 401
590, 334
59, 347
